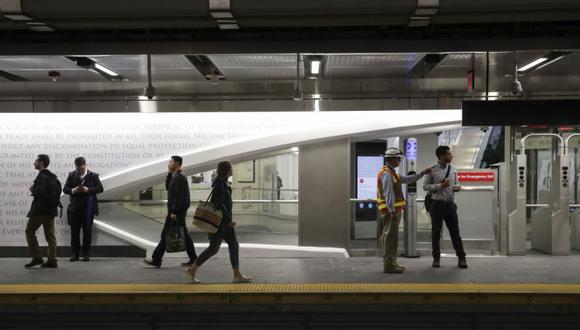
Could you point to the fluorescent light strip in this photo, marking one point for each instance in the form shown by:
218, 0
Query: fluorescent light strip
315, 67
532, 64
105, 70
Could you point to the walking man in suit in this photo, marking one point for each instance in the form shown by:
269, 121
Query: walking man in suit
178, 202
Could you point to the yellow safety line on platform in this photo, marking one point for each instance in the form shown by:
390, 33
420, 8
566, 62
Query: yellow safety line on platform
322, 293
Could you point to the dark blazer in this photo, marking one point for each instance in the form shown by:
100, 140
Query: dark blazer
221, 198
178, 200
78, 202
42, 190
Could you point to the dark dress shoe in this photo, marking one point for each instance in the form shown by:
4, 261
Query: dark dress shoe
73, 259
85, 258
34, 262
462, 263
152, 263
50, 264
436, 263
188, 264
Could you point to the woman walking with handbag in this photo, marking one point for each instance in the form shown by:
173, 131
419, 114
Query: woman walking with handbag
222, 199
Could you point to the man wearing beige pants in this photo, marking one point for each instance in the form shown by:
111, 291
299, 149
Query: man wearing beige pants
391, 202
46, 192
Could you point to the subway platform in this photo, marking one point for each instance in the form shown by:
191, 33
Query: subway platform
523, 292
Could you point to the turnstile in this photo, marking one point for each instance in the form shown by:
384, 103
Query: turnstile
570, 178
550, 221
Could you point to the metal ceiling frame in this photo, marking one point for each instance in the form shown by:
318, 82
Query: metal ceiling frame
12, 10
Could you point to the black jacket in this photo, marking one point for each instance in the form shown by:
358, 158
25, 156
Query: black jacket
78, 202
177, 193
43, 191
222, 198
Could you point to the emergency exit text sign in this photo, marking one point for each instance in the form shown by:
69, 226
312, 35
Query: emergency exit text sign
476, 176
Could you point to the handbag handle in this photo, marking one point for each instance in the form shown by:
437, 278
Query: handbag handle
208, 197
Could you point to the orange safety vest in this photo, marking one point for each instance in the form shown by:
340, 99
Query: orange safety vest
399, 198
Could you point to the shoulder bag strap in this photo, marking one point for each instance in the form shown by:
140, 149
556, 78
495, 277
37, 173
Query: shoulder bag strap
446, 175
208, 197
448, 170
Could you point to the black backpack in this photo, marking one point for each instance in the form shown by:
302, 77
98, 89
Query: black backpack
54, 196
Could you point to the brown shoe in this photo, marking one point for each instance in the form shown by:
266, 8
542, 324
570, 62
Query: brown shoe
400, 267
393, 270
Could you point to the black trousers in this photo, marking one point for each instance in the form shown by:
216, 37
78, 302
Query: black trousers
440, 212
228, 234
80, 221
189, 247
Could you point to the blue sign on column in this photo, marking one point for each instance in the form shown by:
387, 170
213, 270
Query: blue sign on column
411, 149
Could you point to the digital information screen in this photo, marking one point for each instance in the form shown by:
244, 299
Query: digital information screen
366, 188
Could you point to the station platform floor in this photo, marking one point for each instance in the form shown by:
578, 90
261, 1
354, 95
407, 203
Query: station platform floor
534, 268
516, 292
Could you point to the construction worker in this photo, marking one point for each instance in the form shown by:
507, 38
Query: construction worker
391, 202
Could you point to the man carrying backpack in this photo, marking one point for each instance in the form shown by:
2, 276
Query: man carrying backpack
441, 184
46, 192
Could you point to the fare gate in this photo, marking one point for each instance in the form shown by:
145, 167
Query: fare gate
550, 220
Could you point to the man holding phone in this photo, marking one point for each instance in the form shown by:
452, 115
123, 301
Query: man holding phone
83, 186
442, 184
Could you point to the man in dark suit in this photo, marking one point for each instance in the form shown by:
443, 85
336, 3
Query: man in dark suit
83, 186
178, 202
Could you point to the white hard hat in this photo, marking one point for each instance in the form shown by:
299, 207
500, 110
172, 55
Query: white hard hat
393, 153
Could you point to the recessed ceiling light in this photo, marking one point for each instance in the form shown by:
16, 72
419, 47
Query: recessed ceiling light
315, 67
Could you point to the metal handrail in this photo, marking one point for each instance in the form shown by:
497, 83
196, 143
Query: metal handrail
164, 201
236, 188
548, 205
469, 188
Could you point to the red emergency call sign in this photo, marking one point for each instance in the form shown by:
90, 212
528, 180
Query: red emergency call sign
476, 176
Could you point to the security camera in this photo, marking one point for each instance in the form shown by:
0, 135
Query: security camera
149, 92
516, 87
54, 75
297, 95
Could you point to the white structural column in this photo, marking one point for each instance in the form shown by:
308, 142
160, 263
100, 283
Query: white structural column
324, 193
